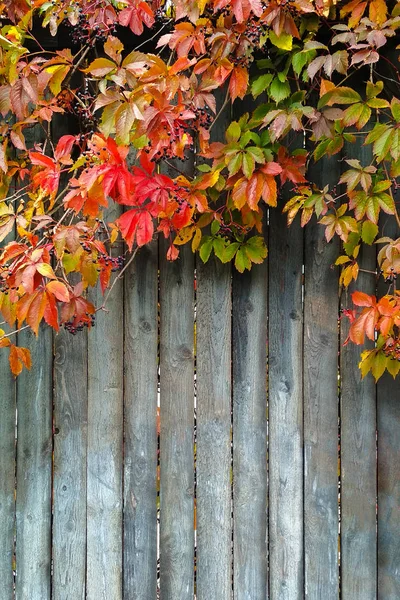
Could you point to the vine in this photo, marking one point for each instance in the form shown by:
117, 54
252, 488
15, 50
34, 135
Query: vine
145, 75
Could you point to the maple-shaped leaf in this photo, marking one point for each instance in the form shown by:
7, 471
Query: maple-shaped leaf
238, 83
19, 358
338, 223
137, 14
293, 166
365, 323
136, 224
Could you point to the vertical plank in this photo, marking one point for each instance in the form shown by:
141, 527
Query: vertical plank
214, 535
388, 425
321, 307
140, 413
285, 409
388, 407
358, 445
69, 480
105, 448
70, 446
7, 475
249, 362
34, 469
176, 416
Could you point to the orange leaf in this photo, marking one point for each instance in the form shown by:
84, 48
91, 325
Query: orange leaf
19, 358
238, 83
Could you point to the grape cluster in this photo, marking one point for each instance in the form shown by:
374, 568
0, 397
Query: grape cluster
392, 348
83, 108
73, 326
116, 262
254, 31
85, 33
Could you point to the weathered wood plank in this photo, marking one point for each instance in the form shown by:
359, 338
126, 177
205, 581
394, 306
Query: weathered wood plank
176, 417
358, 446
388, 425
69, 479
7, 475
321, 311
249, 362
214, 535
285, 409
388, 415
140, 413
34, 469
105, 449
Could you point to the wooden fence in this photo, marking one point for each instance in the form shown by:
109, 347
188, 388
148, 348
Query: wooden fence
210, 438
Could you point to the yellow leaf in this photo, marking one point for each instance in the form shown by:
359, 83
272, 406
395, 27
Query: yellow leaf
284, 41
184, 235
196, 240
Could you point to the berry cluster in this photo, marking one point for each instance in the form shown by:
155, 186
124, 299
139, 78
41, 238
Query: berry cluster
73, 326
254, 31
83, 108
392, 347
116, 262
86, 33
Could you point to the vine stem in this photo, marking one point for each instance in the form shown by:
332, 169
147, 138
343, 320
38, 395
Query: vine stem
118, 277
7, 335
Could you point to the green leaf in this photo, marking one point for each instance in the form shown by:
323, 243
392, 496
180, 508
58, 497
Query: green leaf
340, 95
395, 108
260, 84
393, 366
374, 89
215, 227
248, 165
301, 59
206, 248
256, 249
233, 132
369, 232
379, 365
278, 90
230, 251
235, 164
219, 246
242, 261
284, 41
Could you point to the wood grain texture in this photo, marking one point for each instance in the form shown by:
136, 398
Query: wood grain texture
285, 410
388, 416
321, 311
214, 535
249, 361
105, 449
176, 416
69, 480
140, 415
388, 425
358, 446
34, 469
7, 475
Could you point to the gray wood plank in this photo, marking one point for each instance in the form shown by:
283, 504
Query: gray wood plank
250, 478
7, 475
105, 448
214, 535
388, 425
177, 418
388, 416
69, 479
34, 469
285, 409
140, 414
321, 311
358, 444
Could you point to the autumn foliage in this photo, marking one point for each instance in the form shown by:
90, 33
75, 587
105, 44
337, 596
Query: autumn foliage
142, 83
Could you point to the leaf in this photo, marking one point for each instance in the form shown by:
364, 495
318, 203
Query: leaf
206, 248
339, 95
242, 261
233, 132
238, 83
19, 358
369, 232
284, 41
261, 84
100, 67
59, 290
279, 90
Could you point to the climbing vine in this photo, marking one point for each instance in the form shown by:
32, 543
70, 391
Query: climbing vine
144, 79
